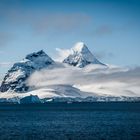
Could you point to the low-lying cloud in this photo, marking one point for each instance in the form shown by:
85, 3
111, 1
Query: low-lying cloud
110, 81
62, 54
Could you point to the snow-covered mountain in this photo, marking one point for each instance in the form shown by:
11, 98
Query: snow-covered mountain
81, 56
15, 78
79, 76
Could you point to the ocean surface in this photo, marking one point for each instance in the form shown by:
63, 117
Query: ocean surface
76, 121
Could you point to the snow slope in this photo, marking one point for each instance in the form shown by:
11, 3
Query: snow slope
18, 74
51, 91
81, 56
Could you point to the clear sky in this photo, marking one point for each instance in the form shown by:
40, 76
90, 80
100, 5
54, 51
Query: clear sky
110, 28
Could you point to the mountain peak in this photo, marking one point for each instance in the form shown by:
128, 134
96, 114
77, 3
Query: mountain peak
81, 56
40, 59
36, 55
79, 47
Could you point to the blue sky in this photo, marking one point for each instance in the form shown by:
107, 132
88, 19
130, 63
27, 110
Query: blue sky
110, 28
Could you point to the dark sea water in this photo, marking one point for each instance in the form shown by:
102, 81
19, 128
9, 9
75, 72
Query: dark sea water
77, 121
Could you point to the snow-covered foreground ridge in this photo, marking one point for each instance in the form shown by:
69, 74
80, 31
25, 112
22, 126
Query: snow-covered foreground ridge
79, 75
